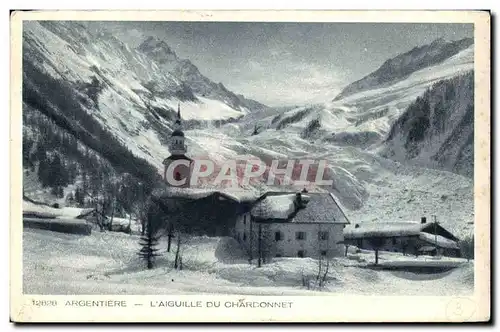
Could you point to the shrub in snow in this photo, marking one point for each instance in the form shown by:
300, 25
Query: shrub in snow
467, 247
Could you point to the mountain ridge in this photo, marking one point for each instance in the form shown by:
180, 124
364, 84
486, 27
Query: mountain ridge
402, 65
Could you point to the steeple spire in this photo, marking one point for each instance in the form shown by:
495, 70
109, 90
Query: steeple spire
178, 124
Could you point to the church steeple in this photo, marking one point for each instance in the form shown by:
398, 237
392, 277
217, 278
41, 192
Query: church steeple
178, 149
178, 122
177, 146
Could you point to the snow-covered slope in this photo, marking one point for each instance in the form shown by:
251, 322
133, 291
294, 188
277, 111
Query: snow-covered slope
132, 94
349, 134
399, 67
134, 91
437, 130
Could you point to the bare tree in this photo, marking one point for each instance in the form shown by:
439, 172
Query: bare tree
265, 245
323, 269
323, 261
170, 235
259, 245
178, 254
404, 246
319, 279
376, 243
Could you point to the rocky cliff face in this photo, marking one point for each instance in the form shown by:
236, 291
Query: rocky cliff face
437, 130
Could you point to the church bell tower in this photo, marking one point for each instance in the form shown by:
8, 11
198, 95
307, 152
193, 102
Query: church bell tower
177, 148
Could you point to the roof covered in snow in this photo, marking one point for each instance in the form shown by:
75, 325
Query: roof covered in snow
44, 211
299, 208
439, 241
275, 206
238, 195
392, 229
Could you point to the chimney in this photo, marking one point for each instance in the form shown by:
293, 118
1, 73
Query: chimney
423, 220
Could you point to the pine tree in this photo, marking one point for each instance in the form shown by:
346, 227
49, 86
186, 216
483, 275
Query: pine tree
79, 196
149, 243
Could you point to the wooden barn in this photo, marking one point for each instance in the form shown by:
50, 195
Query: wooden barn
202, 211
406, 237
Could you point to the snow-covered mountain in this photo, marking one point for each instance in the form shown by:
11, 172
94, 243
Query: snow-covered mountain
132, 93
437, 130
120, 101
399, 67
351, 135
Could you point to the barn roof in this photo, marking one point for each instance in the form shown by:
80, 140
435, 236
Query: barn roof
439, 241
31, 209
392, 229
303, 208
237, 195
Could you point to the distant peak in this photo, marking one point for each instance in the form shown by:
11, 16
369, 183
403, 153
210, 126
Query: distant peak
153, 44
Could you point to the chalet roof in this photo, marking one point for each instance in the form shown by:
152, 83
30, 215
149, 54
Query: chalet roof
322, 208
237, 195
439, 241
31, 209
275, 206
392, 229
382, 229
306, 208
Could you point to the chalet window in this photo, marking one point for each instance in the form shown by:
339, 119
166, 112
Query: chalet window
278, 255
244, 219
323, 236
300, 235
393, 241
244, 236
323, 252
300, 253
278, 236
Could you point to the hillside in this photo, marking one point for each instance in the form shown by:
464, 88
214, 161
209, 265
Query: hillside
115, 104
399, 67
96, 111
437, 130
350, 134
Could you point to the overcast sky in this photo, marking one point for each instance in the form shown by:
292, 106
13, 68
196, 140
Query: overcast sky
288, 63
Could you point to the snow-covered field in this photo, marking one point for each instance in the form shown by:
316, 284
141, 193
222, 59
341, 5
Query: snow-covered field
107, 263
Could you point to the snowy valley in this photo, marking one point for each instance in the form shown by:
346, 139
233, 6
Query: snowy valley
98, 113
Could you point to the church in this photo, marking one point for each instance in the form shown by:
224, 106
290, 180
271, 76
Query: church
274, 224
177, 148
200, 211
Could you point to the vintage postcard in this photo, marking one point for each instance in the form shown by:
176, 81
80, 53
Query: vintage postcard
250, 166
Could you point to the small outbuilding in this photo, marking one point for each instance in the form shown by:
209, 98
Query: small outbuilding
406, 237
